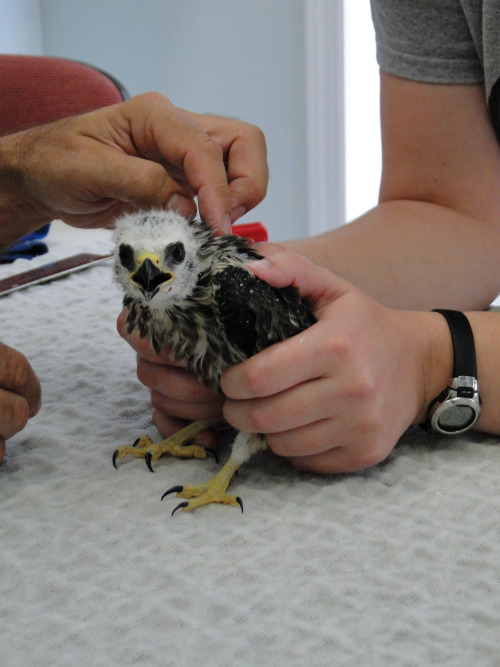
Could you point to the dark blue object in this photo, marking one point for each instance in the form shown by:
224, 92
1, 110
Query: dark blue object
28, 247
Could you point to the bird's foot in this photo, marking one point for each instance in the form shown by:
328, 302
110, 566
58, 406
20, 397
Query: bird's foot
180, 445
202, 494
211, 492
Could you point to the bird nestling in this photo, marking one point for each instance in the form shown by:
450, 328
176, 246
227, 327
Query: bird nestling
191, 292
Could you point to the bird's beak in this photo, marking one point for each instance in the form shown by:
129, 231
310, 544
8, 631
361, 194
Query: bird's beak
149, 276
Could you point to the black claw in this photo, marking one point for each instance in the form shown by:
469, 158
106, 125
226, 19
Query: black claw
136, 443
173, 489
210, 452
115, 456
179, 506
240, 503
148, 458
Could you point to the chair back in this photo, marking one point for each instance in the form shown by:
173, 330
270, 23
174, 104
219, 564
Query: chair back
40, 89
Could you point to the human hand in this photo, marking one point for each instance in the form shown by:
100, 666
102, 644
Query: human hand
20, 394
177, 396
337, 397
144, 152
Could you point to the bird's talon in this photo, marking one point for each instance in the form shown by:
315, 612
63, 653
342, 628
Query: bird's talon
136, 442
148, 457
240, 503
212, 453
173, 489
115, 456
180, 506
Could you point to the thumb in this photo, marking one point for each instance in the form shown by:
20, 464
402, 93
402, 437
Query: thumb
315, 283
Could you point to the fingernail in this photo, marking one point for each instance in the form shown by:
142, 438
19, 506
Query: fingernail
260, 264
226, 224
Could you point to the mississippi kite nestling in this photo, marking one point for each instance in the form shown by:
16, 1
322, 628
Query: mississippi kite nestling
192, 293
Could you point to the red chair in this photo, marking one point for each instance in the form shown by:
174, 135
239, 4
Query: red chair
35, 90
38, 89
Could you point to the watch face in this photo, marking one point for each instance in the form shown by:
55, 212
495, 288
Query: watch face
457, 408
456, 418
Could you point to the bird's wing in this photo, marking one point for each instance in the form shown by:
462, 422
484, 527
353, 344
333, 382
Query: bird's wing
255, 314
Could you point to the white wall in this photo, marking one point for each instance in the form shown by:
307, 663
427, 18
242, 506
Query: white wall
362, 118
20, 27
233, 57
324, 60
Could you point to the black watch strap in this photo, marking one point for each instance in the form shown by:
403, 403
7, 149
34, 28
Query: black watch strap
464, 349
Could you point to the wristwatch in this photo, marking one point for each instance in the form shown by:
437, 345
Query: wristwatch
457, 408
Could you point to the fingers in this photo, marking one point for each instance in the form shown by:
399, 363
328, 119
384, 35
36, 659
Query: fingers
247, 170
176, 392
302, 404
315, 284
337, 460
245, 154
15, 413
262, 375
17, 377
20, 393
142, 345
222, 160
188, 410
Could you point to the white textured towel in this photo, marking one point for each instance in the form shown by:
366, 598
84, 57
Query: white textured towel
395, 566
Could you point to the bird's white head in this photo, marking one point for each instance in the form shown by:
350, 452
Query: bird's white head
158, 256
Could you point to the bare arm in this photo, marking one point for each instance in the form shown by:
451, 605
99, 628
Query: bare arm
367, 371
434, 239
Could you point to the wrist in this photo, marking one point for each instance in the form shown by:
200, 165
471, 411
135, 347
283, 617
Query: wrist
436, 355
457, 408
18, 215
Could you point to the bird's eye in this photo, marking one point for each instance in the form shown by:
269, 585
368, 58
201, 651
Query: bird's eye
175, 253
126, 255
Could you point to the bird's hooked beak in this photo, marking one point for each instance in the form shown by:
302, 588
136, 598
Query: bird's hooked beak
149, 276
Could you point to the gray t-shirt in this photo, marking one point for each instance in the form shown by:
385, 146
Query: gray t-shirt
442, 41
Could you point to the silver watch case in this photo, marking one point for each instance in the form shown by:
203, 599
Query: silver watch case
458, 408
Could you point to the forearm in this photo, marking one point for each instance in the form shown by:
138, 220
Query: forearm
17, 216
486, 329
414, 255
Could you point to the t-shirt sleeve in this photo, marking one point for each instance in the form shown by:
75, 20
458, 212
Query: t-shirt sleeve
426, 40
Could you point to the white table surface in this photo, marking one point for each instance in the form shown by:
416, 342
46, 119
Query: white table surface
395, 566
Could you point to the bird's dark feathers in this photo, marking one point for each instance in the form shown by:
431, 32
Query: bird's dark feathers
255, 314
229, 316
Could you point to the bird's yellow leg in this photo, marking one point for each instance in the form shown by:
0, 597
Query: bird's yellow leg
213, 491
179, 444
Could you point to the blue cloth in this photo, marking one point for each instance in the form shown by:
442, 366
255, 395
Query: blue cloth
28, 247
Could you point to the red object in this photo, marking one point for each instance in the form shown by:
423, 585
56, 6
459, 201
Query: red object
255, 231
39, 89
